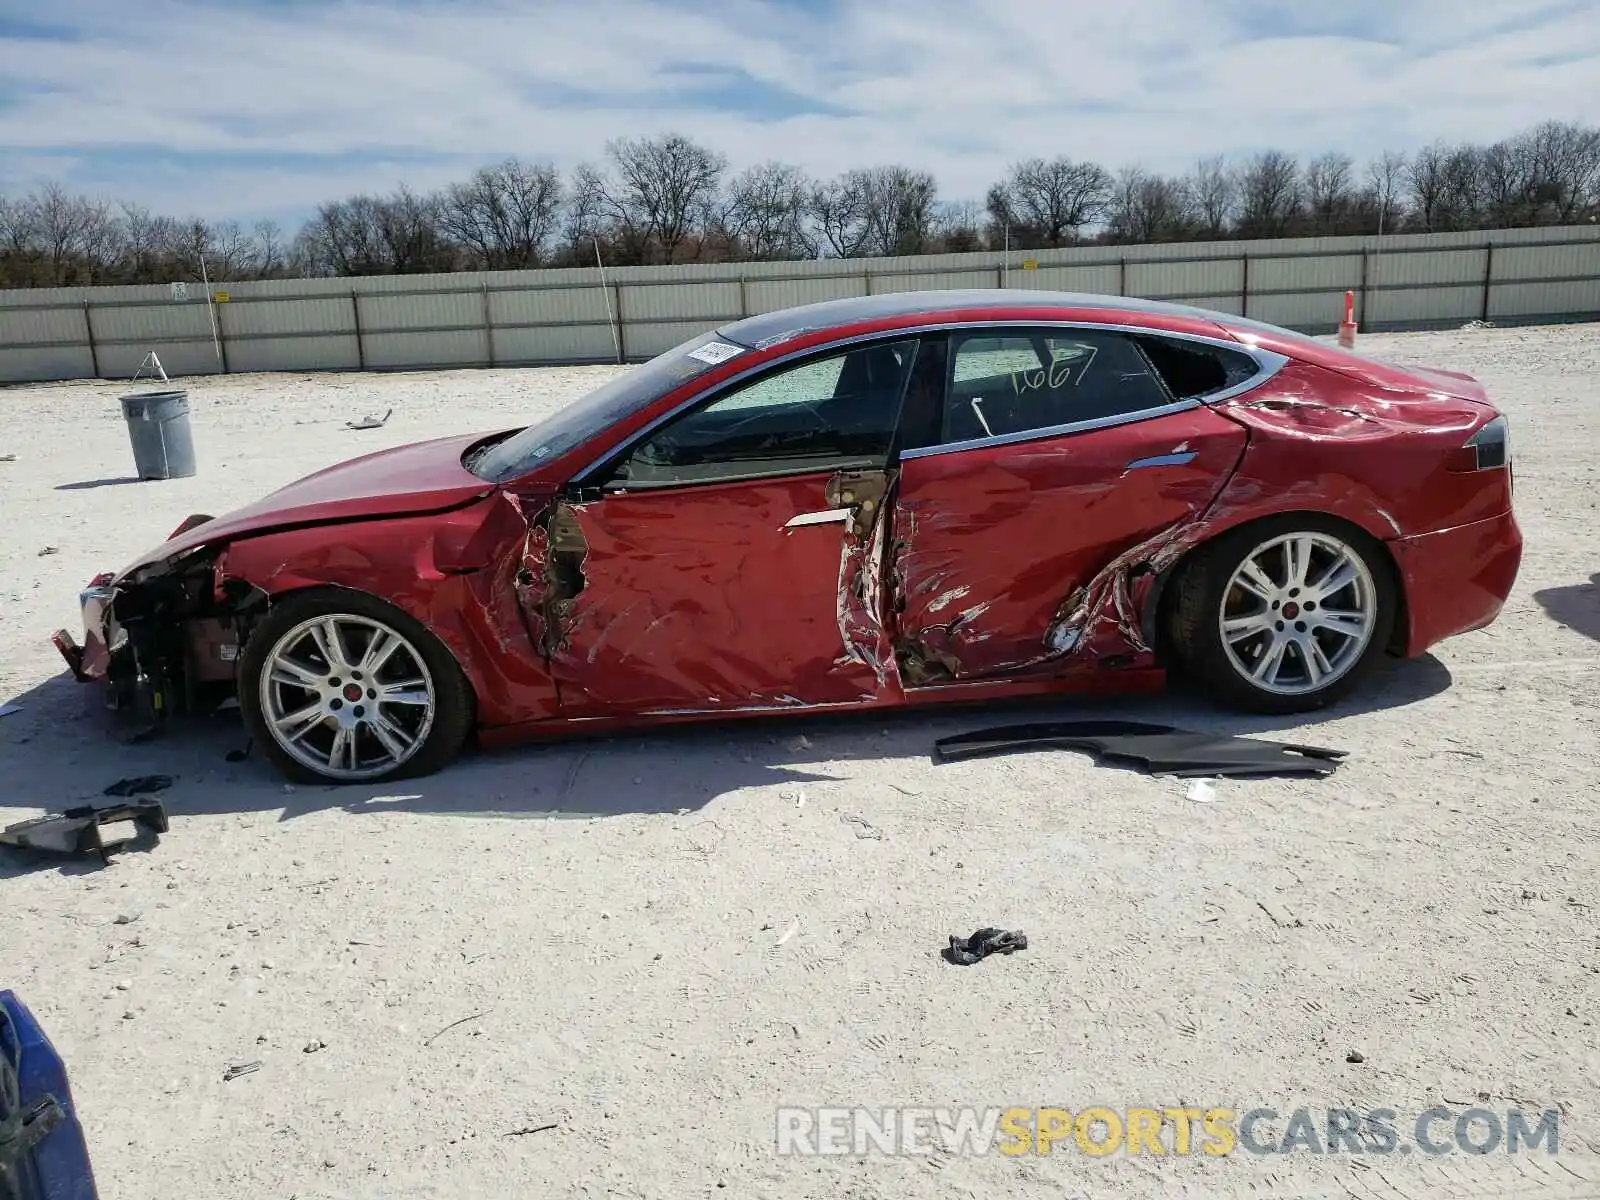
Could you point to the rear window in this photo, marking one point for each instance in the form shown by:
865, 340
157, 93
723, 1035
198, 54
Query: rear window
1017, 382
1194, 370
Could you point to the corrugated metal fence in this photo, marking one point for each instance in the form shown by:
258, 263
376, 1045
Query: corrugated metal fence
514, 318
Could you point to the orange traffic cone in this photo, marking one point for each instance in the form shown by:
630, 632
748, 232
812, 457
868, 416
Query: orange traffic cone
1347, 327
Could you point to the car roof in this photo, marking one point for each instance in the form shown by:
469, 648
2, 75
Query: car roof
771, 328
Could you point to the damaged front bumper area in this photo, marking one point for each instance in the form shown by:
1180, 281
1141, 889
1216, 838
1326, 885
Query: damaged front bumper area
90, 662
163, 638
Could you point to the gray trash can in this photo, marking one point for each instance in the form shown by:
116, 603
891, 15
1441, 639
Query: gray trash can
158, 427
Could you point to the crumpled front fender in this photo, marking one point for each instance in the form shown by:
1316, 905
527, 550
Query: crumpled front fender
454, 573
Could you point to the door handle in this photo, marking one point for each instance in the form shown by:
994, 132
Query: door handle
826, 517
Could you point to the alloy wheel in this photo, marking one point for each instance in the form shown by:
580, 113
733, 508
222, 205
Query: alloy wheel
347, 696
1298, 613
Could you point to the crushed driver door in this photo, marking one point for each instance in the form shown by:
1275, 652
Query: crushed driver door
733, 559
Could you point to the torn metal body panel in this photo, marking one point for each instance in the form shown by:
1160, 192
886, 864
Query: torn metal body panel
452, 572
177, 626
1003, 558
713, 599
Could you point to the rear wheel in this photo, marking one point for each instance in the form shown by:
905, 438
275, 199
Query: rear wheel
1285, 615
339, 687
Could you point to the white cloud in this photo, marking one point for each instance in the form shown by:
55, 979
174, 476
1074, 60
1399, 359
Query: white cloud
228, 111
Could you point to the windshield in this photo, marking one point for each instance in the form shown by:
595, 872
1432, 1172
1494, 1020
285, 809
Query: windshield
599, 410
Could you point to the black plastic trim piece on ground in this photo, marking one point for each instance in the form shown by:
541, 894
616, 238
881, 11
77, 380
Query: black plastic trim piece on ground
81, 830
1159, 749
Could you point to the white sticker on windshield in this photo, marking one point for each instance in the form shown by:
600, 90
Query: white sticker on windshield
716, 352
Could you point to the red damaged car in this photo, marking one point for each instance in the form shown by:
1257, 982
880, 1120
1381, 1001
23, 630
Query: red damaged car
895, 500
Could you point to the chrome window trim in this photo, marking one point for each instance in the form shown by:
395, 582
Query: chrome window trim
1270, 364
1050, 431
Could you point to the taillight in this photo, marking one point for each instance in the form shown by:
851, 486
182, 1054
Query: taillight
1488, 449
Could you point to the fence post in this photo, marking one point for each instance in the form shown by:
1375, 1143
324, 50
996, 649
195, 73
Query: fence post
222, 333
488, 324
622, 326
1488, 278
94, 353
744, 304
361, 350
1244, 291
866, 281
1000, 277
1363, 317
1122, 276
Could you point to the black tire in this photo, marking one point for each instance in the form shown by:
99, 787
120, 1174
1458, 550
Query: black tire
454, 705
1196, 596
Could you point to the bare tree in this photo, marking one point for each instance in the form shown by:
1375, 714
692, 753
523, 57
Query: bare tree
99, 242
1148, 208
1463, 180
584, 215
1566, 167
16, 226
839, 208
1509, 177
1048, 202
1214, 195
409, 227
61, 223
1386, 176
958, 226
1330, 192
899, 209
764, 215
1447, 186
17, 250
1426, 175
307, 258
1269, 194
663, 185
343, 238
504, 215
146, 243
231, 253
195, 245
269, 249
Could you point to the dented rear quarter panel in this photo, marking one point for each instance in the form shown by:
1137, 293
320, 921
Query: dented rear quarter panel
1321, 442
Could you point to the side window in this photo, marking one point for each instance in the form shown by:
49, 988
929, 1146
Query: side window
822, 414
1019, 382
1193, 370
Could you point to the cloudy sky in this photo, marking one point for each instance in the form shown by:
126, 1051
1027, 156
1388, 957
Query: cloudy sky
245, 108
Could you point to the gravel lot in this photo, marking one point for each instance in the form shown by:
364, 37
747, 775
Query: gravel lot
612, 915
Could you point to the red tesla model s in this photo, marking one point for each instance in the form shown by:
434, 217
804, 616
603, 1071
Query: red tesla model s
894, 500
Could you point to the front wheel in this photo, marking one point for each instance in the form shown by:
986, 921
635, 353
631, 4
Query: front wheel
339, 687
1285, 615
